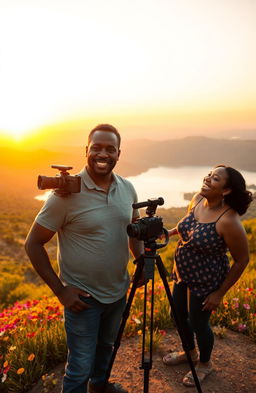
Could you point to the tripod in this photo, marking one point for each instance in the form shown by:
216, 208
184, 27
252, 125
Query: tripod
146, 263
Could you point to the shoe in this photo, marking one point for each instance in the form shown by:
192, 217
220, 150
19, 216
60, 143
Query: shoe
202, 373
174, 358
110, 387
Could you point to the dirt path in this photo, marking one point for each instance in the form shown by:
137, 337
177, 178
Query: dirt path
234, 359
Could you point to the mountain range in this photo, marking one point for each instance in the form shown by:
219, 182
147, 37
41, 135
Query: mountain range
20, 167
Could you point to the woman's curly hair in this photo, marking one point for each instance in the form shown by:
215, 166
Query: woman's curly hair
239, 198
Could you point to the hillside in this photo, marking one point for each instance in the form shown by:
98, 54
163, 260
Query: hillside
191, 151
17, 215
38, 337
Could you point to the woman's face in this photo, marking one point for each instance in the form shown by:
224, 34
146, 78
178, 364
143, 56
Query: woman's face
214, 184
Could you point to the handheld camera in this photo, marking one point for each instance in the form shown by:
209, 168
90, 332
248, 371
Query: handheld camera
63, 183
148, 228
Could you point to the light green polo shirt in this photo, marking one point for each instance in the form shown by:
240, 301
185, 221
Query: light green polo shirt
92, 240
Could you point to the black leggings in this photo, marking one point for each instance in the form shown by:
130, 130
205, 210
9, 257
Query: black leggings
193, 320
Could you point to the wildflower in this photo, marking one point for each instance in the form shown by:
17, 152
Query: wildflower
32, 334
3, 379
12, 348
241, 327
137, 321
247, 306
31, 357
6, 369
139, 332
20, 371
5, 363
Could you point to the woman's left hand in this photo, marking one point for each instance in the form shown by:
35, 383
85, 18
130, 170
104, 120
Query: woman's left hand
212, 301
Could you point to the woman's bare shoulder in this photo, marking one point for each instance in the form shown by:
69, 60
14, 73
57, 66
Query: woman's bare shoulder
230, 221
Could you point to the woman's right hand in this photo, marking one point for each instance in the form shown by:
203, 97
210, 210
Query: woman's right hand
172, 232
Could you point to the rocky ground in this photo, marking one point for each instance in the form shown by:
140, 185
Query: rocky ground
234, 359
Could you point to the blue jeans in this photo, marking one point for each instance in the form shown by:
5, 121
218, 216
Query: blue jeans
193, 320
91, 334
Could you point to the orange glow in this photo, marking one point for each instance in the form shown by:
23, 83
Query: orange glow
159, 72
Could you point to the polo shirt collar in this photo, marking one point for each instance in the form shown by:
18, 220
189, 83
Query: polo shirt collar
90, 183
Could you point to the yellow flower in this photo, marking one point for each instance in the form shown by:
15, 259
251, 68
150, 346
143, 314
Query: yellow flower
31, 357
20, 371
6, 363
12, 348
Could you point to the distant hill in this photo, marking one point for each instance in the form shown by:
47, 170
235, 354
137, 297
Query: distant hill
19, 168
197, 151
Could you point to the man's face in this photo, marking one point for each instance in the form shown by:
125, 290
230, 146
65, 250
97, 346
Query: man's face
102, 153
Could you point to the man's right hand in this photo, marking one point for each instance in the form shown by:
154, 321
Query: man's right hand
69, 297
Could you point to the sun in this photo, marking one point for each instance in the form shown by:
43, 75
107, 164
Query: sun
17, 124
22, 119
16, 134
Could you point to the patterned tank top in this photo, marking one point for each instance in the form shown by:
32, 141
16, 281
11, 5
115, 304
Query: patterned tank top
200, 257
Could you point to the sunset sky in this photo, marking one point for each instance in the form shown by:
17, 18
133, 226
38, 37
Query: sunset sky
156, 69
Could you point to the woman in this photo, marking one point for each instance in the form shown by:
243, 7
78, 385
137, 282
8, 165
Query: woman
201, 272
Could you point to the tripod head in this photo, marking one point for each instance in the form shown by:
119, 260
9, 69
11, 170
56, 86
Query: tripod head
150, 228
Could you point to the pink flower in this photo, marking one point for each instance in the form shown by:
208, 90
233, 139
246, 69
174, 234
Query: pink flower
241, 327
247, 306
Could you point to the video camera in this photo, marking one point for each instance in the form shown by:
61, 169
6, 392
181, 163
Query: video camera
63, 184
149, 228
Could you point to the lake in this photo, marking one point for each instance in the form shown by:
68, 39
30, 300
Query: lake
171, 183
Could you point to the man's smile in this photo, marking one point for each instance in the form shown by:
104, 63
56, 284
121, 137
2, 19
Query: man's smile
101, 164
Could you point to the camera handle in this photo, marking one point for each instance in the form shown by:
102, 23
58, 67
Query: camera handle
146, 262
63, 175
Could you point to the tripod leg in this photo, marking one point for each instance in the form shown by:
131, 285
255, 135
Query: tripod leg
162, 273
146, 363
137, 275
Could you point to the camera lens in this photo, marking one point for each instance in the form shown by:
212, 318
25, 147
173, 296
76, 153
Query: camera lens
45, 182
133, 230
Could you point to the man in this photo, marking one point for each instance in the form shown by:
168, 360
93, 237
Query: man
92, 255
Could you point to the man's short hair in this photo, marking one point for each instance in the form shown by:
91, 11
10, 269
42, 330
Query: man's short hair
107, 128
